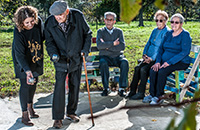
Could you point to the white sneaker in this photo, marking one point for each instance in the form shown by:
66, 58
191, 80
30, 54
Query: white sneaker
156, 101
147, 99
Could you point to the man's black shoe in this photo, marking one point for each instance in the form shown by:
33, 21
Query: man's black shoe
105, 92
137, 96
121, 93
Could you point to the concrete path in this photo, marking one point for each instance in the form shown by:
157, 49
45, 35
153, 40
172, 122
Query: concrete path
134, 119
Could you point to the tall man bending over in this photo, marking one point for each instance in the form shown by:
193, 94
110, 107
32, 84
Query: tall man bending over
68, 36
110, 42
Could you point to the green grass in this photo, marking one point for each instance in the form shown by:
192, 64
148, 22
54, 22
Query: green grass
135, 38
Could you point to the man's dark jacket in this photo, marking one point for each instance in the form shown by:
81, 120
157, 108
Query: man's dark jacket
68, 46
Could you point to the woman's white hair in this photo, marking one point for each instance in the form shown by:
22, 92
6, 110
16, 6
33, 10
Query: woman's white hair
179, 16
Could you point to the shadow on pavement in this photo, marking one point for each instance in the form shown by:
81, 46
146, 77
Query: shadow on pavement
99, 103
148, 118
18, 125
44, 102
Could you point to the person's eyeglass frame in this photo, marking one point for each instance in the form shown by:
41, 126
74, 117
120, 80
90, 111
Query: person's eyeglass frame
175, 22
160, 20
110, 20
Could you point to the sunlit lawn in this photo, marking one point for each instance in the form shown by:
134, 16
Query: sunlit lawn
135, 38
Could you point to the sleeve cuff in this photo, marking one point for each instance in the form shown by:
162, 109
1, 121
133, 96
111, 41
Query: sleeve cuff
26, 68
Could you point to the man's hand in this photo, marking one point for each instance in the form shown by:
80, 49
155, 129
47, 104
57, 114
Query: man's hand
29, 76
156, 67
116, 42
164, 65
55, 58
82, 54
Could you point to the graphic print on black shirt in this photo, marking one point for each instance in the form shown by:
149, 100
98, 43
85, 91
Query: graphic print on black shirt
35, 49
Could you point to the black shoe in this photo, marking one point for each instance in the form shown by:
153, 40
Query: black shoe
105, 92
130, 94
137, 96
121, 93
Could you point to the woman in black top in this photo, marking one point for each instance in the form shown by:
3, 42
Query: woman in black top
27, 53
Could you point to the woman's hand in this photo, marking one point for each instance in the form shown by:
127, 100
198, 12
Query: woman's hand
146, 59
164, 65
29, 76
156, 67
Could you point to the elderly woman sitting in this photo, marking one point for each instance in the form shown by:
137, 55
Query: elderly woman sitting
141, 71
173, 55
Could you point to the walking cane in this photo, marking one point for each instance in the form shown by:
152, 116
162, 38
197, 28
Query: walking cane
86, 79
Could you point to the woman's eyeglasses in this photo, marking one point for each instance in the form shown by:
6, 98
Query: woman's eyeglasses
109, 20
159, 20
176, 22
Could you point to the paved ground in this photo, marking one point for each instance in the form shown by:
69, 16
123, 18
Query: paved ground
137, 119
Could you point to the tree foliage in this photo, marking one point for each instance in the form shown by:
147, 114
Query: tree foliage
189, 9
107, 5
88, 9
42, 5
95, 9
74, 3
8, 8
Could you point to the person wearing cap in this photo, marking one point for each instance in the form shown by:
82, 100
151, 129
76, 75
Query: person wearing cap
110, 42
68, 38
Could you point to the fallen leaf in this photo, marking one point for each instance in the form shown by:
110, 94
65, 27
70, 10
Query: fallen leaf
153, 120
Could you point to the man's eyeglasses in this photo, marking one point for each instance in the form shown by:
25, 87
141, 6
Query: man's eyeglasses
109, 19
176, 22
159, 20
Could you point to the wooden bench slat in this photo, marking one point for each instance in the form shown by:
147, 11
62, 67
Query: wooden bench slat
92, 65
92, 58
195, 48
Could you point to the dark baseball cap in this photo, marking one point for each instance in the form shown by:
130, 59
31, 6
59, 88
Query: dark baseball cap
58, 7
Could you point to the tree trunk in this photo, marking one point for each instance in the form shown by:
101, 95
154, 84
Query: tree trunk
96, 23
141, 17
149, 2
184, 10
186, 15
